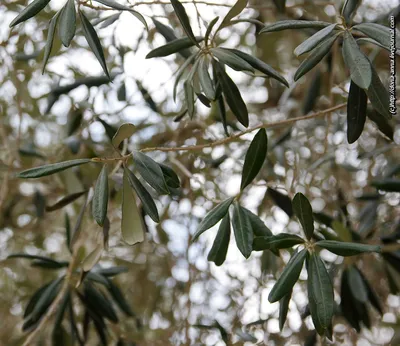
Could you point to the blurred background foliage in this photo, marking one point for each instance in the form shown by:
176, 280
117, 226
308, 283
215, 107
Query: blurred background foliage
178, 297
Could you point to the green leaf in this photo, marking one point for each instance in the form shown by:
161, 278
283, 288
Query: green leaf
212, 217
356, 112
388, 184
183, 18
356, 61
50, 39
93, 258
189, 97
279, 241
378, 95
65, 201
294, 24
341, 230
320, 294
315, 57
209, 29
94, 42
171, 178
222, 113
232, 60
117, 6
34, 257
372, 297
173, 47
150, 171
124, 131
281, 200
349, 9
255, 158
99, 303
347, 303
46, 298
357, 285
314, 40
206, 83
29, 11
149, 206
236, 9
377, 32
347, 249
100, 197
283, 309
288, 277
57, 334
34, 299
259, 65
110, 130
119, 298
219, 248
131, 222
384, 125
46, 170
232, 96
182, 69
258, 226
49, 265
112, 271
242, 230
67, 26
303, 210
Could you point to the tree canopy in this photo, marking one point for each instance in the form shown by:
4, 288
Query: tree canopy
199, 172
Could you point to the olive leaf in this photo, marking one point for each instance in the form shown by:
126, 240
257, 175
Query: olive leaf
388, 184
255, 158
378, 95
314, 40
67, 26
232, 60
209, 29
219, 248
94, 42
172, 47
29, 11
131, 221
65, 201
283, 309
356, 112
346, 248
91, 260
279, 241
303, 210
356, 61
377, 32
183, 18
235, 10
206, 82
242, 230
294, 24
281, 200
212, 217
46, 170
100, 197
50, 39
349, 9
124, 131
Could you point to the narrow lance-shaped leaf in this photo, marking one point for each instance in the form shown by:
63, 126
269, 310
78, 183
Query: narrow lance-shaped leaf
242, 230
205, 80
149, 206
232, 96
388, 184
118, 6
65, 201
349, 9
91, 260
67, 26
314, 40
236, 9
150, 172
181, 71
255, 158
131, 222
346, 248
283, 309
119, 298
173, 47
377, 32
209, 29
258, 226
320, 294
356, 61
281, 200
294, 24
303, 210
189, 97
34, 299
183, 18
124, 131
259, 65
46, 298
378, 95
46, 170
171, 178
219, 248
232, 60
222, 113
50, 39
29, 11
356, 112
216, 214
315, 57
288, 277
100, 197
279, 241
94, 42
383, 124
357, 285
99, 303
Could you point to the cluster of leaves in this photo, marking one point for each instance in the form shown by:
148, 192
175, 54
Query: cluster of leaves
159, 176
